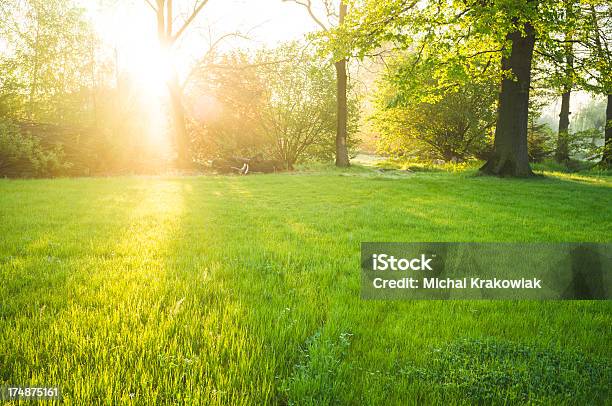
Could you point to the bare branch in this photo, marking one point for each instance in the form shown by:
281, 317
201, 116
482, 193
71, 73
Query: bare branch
307, 4
151, 5
211, 49
197, 8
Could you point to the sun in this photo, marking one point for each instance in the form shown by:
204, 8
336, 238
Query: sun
150, 68
131, 32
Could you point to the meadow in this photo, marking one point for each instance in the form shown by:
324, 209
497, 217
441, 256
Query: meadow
245, 290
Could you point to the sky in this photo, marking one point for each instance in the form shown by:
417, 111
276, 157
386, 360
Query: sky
270, 21
130, 26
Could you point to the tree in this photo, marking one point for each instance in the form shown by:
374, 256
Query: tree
342, 156
278, 103
579, 56
59, 92
301, 113
168, 37
591, 116
46, 63
226, 99
559, 69
596, 40
561, 151
540, 139
567, 83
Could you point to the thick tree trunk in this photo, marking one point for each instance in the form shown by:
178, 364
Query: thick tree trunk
606, 159
181, 139
562, 152
342, 158
509, 157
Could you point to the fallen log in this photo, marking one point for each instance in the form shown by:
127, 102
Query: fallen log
244, 166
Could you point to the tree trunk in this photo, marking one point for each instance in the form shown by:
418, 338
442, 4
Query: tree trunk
562, 152
181, 140
342, 158
606, 159
164, 33
510, 157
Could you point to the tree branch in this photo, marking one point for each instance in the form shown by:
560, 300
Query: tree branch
189, 20
489, 51
151, 5
202, 62
307, 4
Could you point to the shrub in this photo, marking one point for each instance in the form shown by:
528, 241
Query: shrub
540, 141
22, 156
418, 117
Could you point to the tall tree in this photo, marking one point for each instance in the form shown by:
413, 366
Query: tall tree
557, 70
562, 151
596, 38
342, 157
168, 37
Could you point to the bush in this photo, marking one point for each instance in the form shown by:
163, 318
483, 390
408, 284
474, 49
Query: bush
22, 156
417, 119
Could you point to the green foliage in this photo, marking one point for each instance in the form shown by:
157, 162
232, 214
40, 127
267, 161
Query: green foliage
541, 141
595, 55
48, 61
582, 145
56, 80
590, 116
585, 144
226, 101
22, 156
572, 166
418, 119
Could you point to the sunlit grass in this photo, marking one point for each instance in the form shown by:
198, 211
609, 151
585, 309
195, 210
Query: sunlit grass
245, 290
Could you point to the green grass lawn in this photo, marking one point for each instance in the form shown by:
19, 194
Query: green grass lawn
245, 290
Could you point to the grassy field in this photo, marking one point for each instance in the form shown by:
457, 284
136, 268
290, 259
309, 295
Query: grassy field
245, 290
